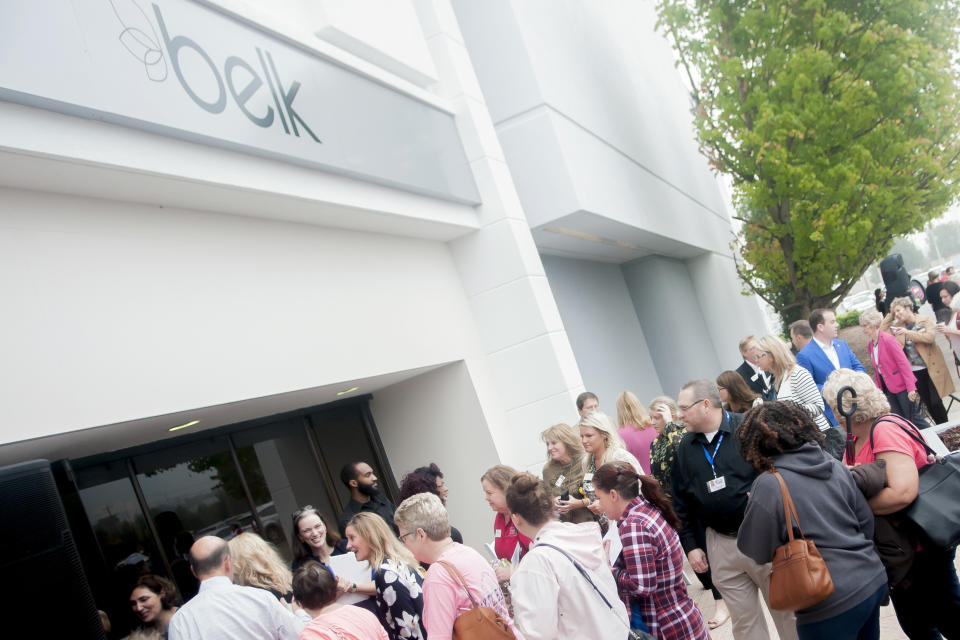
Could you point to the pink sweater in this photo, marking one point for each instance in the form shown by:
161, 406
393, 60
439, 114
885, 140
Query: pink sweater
444, 599
638, 443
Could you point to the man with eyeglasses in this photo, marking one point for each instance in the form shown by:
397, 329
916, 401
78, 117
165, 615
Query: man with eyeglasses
710, 482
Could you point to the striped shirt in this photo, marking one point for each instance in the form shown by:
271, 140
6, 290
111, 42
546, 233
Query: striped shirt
798, 386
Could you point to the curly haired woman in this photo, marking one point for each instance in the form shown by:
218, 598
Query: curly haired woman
427, 479
782, 436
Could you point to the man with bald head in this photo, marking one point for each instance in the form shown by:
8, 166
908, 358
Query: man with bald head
222, 609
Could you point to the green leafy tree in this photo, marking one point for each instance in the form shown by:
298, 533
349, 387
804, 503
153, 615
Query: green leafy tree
837, 122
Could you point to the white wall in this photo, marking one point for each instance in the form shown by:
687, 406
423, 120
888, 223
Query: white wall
668, 306
436, 417
116, 311
717, 287
595, 86
605, 334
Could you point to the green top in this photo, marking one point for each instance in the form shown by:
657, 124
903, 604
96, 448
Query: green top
663, 451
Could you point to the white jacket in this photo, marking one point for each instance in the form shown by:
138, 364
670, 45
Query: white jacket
551, 599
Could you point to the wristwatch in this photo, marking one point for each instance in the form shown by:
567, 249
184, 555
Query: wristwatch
353, 587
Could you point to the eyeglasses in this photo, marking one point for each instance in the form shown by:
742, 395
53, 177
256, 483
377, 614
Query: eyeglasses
691, 405
408, 533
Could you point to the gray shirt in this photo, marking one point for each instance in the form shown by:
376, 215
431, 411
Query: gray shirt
832, 512
224, 610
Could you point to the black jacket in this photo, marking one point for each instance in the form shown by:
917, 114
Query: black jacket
377, 504
755, 382
721, 510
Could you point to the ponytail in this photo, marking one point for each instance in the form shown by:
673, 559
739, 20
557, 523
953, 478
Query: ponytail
629, 484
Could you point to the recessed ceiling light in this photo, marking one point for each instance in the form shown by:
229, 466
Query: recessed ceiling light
583, 235
346, 391
184, 426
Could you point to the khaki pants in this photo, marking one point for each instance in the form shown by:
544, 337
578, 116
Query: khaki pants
738, 578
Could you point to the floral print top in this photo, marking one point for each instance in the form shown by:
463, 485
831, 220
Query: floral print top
663, 451
400, 600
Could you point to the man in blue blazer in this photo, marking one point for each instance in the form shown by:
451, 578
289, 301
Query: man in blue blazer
826, 352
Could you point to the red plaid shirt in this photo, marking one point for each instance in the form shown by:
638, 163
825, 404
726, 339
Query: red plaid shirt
652, 574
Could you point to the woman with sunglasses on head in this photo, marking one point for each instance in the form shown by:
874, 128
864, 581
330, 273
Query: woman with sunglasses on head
313, 540
397, 578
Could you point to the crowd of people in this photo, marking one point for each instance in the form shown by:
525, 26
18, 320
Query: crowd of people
595, 546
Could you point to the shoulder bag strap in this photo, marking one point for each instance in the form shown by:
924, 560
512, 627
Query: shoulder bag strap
586, 575
452, 570
582, 571
913, 433
789, 510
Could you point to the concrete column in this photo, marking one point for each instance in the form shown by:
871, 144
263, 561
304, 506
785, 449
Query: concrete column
526, 376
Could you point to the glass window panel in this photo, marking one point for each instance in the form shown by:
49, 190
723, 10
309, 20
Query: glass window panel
122, 534
284, 460
194, 490
114, 513
343, 438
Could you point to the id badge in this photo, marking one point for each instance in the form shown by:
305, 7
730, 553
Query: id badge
559, 482
588, 482
716, 484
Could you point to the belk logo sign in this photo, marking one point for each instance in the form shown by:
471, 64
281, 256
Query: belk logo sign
208, 87
193, 71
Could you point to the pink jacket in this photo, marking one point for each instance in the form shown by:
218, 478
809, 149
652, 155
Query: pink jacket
893, 365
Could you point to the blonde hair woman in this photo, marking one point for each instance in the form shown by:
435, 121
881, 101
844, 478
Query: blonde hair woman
256, 563
794, 383
636, 429
602, 445
564, 471
397, 577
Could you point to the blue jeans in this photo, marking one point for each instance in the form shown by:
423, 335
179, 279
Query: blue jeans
930, 605
862, 622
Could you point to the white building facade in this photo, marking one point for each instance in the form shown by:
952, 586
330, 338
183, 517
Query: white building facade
459, 214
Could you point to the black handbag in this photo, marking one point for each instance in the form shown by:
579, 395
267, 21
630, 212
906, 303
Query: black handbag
936, 509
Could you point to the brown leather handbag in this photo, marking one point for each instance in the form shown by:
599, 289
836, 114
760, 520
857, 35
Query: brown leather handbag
800, 578
480, 623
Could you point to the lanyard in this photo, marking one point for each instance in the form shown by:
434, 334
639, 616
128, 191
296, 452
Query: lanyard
710, 458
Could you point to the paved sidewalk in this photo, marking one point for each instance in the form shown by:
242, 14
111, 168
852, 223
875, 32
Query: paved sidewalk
889, 628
